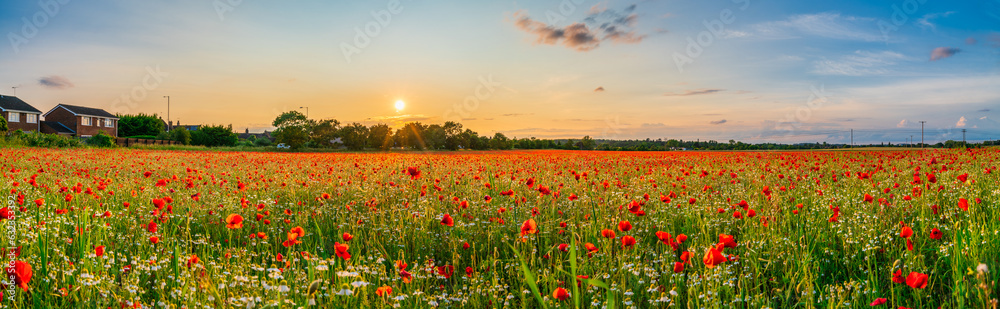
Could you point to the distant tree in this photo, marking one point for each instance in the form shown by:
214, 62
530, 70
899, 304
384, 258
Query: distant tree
293, 129
411, 135
3, 124
354, 136
453, 135
324, 132
570, 145
380, 136
140, 124
214, 136
587, 143
500, 141
435, 137
181, 135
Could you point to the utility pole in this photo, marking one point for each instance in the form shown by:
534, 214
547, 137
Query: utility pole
307, 110
963, 137
911, 140
15, 90
169, 124
922, 133
852, 138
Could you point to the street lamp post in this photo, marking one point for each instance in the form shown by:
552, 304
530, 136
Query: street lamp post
307, 110
169, 125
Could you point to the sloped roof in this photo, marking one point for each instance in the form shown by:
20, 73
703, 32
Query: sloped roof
14, 103
88, 111
58, 127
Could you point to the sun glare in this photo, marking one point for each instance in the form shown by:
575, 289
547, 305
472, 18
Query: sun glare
400, 105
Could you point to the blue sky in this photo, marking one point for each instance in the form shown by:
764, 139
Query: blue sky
763, 71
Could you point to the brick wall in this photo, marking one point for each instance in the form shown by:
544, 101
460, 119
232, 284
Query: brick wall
23, 124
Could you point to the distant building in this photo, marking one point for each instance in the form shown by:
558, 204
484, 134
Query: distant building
19, 114
246, 135
79, 121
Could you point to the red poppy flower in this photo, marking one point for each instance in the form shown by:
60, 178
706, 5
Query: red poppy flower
906, 232
400, 264
624, 226
916, 280
686, 257
713, 257
151, 227
406, 276
608, 233
529, 227
678, 267
963, 204
445, 271
154, 239
878, 302
446, 220
591, 249
347, 236
193, 260
413, 172
897, 277
628, 241
469, 271
563, 247
936, 233
234, 221
99, 250
963, 177
383, 291
22, 274
560, 294
681, 238
869, 198
727, 240
341, 250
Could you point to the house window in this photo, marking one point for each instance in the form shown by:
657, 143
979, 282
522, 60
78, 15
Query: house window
86, 120
31, 118
13, 117
109, 123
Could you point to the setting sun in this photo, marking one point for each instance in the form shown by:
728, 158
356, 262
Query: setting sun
400, 105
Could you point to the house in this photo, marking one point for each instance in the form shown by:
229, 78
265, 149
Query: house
246, 135
79, 121
19, 115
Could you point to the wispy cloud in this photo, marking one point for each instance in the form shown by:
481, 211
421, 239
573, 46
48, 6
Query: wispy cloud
55, 82
961, 122
516, 115
825, 25
943, 52
601, 24
859, 63
694, 92
717, 122
925, 21
599, 89
902, 123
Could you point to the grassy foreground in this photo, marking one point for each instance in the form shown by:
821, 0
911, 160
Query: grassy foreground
92, 228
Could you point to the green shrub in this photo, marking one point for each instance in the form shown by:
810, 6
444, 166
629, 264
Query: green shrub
100, 140
262, 142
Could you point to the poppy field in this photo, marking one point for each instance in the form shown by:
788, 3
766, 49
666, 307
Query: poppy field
119, 228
